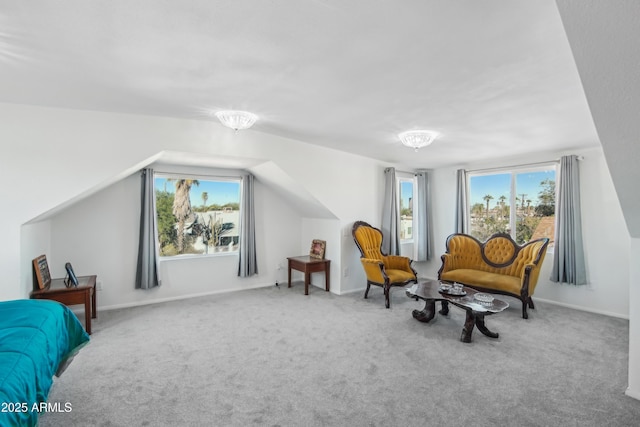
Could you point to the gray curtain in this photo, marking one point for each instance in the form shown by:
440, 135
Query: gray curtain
390, 231
147, 276
461, 202
568, 255
422, 218
248, 264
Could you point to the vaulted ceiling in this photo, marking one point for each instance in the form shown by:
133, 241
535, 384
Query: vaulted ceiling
494, 78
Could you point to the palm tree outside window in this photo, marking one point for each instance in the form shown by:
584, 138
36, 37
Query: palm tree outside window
197, 216
519, 201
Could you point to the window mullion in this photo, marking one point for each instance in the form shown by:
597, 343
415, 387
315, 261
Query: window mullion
514, 207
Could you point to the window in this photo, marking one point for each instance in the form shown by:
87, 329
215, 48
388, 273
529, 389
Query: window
517, 201
197, 216
406, 208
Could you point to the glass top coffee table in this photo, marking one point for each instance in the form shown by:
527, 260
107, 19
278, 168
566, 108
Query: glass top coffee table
476, 304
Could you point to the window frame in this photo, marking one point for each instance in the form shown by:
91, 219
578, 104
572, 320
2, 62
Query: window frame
202, 177
513, 171
400, 178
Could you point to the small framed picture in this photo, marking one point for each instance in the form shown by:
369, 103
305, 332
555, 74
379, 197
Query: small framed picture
71, 279
317, 249
41, 271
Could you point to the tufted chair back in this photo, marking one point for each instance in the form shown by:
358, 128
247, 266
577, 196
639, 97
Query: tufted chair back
368, 239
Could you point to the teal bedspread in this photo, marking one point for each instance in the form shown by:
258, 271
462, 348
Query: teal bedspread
36, 338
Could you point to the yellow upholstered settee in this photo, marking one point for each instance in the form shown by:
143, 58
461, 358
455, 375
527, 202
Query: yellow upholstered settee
498, 265
381, 269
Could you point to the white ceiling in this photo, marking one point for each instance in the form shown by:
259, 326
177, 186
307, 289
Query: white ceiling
495, 78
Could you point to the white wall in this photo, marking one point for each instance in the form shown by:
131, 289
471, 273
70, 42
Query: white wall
606, 240
606, 243
102, 149
36, 239
634, 321
604, 42
443, 199
54, 158
364, 196
329, 231
355, 280
99, 236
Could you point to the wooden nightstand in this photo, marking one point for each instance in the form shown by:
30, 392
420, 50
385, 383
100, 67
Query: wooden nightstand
84, 293
309, 265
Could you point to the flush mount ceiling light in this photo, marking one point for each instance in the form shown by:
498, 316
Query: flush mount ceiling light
236, 120
417, 138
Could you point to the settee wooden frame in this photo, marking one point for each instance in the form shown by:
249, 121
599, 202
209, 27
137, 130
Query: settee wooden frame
524, 295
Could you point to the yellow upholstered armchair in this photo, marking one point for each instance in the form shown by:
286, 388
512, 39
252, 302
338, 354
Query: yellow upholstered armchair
381, 270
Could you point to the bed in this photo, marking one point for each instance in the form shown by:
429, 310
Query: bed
38, 339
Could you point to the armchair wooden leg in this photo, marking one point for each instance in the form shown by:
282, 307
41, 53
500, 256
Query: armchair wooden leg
387, 302
366, 293
527, 303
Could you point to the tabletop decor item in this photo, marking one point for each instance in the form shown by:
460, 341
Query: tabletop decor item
483, 298
317, 249
41, 271
71, 279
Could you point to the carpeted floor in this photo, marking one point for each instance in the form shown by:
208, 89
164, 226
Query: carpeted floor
274, 357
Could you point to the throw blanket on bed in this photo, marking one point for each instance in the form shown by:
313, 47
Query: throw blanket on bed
37, 338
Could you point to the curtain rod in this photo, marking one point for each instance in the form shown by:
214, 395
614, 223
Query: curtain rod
398, 171
414, 173
198, 175
518, 166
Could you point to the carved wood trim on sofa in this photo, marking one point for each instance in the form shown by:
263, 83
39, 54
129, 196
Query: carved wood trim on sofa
498, 265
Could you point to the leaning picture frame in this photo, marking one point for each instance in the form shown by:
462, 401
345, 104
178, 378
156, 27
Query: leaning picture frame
318, 248
71, 279
41, 271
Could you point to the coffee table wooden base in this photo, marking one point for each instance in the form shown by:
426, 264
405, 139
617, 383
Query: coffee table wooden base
428, 291
472, 320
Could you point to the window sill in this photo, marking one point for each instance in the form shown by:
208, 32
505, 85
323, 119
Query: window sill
195, 256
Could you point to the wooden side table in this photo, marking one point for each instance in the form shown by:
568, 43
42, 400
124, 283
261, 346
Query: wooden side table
309, 265
84, 293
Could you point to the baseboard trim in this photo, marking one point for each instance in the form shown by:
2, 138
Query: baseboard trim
577, 307
393, 289
635, 394
180, 297
352, 291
